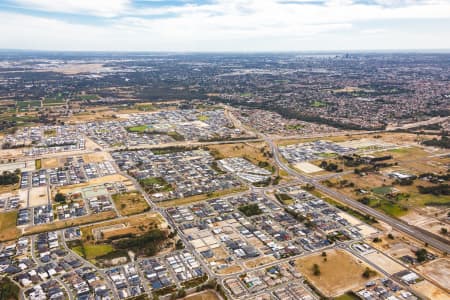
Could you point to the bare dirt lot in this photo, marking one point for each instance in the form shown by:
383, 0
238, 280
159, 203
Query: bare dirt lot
206, 295
130, 203
229, 270
340, 272
307, 167
38, 196
259, 261
97, 181
439, 271
424, 221
251, 151
48, 163
385, 263
430, 291
8, 229
96, 157
71, 222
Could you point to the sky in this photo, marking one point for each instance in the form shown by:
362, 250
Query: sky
224, 25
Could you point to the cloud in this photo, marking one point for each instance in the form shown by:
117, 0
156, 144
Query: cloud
102, 8
228, 25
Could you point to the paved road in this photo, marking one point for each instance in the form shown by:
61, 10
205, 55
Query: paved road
395, 223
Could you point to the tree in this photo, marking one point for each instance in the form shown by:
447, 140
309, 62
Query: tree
368, 273
421, 255
181, 293
444, 231
59, 197
316, 270
376, 240
324, 254
390, 236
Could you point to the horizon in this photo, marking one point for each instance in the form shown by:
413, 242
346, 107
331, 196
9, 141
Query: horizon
331, 51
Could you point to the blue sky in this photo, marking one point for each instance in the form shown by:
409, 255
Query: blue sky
224, 25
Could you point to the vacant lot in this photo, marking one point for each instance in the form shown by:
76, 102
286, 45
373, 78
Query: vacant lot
259, 261
307, 167
430, 291
385, 263
206, 295
229, 270
97, 157
48, 163
96, 181
38, 196
439, 271
137, 223
254, 152
8, 229
130, 203
92, 251
141, 232
72, 222
340, 272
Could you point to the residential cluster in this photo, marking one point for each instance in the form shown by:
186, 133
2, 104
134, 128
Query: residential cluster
175, 174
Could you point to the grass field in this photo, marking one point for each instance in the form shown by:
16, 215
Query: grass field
90, 252
391, 208
202, 118
155, 184
9, 290
145, 107
8, 229
339, 273
293, 126
318, 104
88, 97
138, 129
382, 190
57, 100
38, 164
255, 152
26, 104
130, 203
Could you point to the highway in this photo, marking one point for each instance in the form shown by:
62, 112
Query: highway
394, 223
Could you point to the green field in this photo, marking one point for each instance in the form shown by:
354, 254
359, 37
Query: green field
391, 208
347, 296
145, 107
318, 104
24, 105
176, 136
138, 129
294, 127
203, 118
9, 290
382, 190
58, 100
88, 97
155, 184
92, 251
